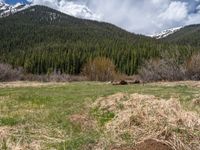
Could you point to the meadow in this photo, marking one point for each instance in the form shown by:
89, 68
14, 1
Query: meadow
66, 116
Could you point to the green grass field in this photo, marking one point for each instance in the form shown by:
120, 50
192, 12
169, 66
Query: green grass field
48, 117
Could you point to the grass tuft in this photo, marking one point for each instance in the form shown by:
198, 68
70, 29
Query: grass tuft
7, 121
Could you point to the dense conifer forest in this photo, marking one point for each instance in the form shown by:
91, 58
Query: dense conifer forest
189, 35
42, 40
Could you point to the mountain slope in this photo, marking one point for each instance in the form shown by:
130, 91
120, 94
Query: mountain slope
41, 39
166, 33
44, 24
189, 35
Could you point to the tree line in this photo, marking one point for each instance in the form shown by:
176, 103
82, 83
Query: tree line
32, 40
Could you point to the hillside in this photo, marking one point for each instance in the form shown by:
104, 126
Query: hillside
189, 35
41, 40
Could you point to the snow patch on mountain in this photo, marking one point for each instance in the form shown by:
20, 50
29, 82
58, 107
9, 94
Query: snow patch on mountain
166, 33
6, 9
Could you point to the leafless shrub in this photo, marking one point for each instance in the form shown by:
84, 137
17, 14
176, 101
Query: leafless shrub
58, 77
167, 68
77, 78
149, 71
33, 77
162, 69
193, 67
8, 73
54, 77
100, 69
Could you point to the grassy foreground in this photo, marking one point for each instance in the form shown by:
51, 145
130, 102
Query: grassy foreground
60, 116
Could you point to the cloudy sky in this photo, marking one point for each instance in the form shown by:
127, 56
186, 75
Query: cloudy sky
139, 16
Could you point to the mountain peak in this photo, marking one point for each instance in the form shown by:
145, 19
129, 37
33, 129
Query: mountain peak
69, 8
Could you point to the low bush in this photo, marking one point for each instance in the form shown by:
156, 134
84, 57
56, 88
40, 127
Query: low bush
193, 67
8, 73
100, 69
54, 77
162, 69
171, 69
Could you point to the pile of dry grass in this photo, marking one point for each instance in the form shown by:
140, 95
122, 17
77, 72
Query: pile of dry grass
143, 118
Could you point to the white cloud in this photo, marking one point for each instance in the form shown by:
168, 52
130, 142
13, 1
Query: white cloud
147, 17
140, 16
176, 11
193, 19
68, 7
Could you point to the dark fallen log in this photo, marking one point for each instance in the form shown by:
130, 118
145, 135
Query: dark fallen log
124, 82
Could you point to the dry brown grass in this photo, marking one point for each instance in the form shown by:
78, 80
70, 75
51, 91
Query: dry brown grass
195, 84
28, 137
10, 139
143, 117
17, 84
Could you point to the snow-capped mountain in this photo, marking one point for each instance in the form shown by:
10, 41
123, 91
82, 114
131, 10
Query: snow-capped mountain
166, 33
6, 9
70, 8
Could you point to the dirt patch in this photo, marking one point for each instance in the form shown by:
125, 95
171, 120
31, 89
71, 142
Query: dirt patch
142, 117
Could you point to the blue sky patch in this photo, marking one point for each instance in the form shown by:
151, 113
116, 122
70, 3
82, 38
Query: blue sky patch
15, 1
